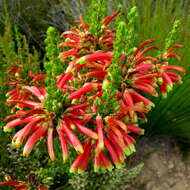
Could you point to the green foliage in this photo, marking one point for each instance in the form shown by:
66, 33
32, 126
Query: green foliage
27, 15
14, 52
117, 179
94, 14
3, 87
20, 167
53, 68
34, 17
7, 55
170, 40
131, 35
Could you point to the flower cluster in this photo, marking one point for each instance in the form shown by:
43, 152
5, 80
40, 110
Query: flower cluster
17, 81
103, 98
19, 185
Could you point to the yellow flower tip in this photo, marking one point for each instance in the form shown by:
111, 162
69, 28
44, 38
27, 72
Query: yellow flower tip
164, 95
74, 101
64, 160
96, 168
16, 144
73, 127
80, 171
80, 149
95, 136
110, 168
142, 132
118, 165
72, 170
18, 107
101, 146
26, 153
7, 129
103, 170
53, 159
81, 60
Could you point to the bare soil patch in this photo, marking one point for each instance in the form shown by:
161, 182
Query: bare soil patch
164, 166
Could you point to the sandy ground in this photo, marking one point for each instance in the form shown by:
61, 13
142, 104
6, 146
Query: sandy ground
164, 166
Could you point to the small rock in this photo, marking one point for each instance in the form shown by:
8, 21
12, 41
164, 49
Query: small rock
170, 166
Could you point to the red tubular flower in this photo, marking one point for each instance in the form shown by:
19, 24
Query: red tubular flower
123, 110
105, 162
100, 143
126, 141
135, 129
19, 185
82, 24
72, 34
139, 98
38, 77
142, 45
18, 114
86, 131
96, 74
163, 89
142, 67
75, 107
63, 143
72, 137
140, 54
168, 53
175, 78
107, 20
167, 81
35, 91
127, 98
84, 90
117, 132
25, 103
117, 146
71, 52
42, 187
10, 125
146, 88
102, 163
143, 59
81, 161
32, 140
115, 157
12, 92
117, 122
22, 134
117, 135
129, 101
95, 57
177, 68
75, 164
10, 181
86, 157
63, 79
97, 163
50, 144
129, 142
